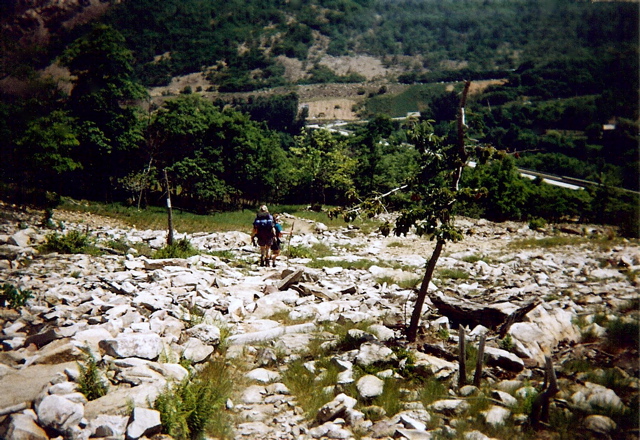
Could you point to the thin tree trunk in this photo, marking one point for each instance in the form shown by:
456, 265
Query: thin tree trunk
412, 331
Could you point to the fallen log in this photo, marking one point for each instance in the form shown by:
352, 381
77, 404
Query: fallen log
498, 316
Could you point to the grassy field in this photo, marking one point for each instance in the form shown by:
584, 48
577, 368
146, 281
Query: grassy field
156, 217
415, 98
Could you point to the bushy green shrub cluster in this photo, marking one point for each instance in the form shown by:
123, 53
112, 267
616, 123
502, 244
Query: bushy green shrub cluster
13, 297
196, 405
180, 249
91, 382
73, 242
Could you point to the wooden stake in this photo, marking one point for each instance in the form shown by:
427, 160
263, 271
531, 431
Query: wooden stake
462, 369
540, 407
169, 211
479, 361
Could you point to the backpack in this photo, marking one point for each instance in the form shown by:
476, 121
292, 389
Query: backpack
264, 224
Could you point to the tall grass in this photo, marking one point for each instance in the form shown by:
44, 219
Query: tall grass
308, 387
90, 381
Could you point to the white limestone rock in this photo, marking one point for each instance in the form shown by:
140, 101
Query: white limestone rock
142, 345
369, 386
24, 426
196, 351
599, 424
370, 353
143, 422
449, 406
496, 415
58, 413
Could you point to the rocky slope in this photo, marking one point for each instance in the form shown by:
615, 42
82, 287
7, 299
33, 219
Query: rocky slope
136, 315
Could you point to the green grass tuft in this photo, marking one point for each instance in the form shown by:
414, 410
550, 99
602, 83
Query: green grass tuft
453, 274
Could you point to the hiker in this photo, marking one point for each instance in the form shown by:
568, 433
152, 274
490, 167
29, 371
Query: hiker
264, 232
277, 242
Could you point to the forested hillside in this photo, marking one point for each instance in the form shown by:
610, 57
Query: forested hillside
566, 102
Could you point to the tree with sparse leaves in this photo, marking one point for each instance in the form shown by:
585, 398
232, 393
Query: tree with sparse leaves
435, 190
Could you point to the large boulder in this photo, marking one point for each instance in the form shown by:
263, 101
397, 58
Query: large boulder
59, 413
142, 345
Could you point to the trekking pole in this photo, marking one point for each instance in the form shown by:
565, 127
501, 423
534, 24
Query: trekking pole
289, 243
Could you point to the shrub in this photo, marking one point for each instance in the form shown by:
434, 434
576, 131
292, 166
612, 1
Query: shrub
120, 245
224, 255
73, 242
507, 343
14, 297
471, 258
179, 249
537, 223
621, 334
299, 252
90, 381
195, 406
352, 265
453, 274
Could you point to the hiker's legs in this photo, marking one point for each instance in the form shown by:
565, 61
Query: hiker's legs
265, 255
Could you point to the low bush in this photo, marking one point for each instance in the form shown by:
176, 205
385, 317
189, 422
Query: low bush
453, 274
73, 242
622, 334
180, 249
537, 223
345, 264
90, 382
195, 406
13, 297
299, 252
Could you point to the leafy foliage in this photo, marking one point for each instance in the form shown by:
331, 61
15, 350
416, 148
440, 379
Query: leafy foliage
189, 408
556, 82
13, 297
323, 167
73, 242
180, 249
90, 382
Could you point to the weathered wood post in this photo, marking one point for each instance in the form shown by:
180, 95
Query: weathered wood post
462, 369
540, 407
479, 361
169, 211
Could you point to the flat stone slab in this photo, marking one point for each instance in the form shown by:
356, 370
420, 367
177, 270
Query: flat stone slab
25, 385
